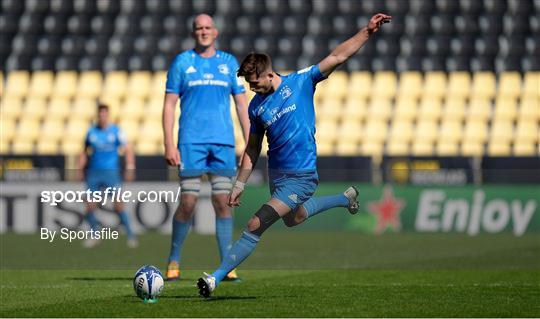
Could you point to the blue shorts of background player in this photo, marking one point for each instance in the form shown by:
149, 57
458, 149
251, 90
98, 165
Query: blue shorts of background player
199, 159
293, 189
102, 178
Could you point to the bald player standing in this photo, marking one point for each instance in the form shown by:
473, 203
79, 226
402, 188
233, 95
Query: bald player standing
203, 78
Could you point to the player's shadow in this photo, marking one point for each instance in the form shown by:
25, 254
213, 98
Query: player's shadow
99, 278
219, 298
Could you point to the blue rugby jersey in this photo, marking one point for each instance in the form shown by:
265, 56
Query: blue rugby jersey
204, 86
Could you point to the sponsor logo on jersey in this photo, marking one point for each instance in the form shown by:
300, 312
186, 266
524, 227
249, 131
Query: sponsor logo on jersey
191, 69
208, 76
285, 92
223, 68
294, 198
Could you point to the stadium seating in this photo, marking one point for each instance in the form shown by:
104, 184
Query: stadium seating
445, 77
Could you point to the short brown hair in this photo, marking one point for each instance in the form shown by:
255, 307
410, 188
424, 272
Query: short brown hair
102, 106
255, 63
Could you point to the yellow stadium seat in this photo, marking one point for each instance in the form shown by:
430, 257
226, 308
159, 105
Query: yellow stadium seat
355, 109
22, 147
430, 109
451, 131
509, 85
151, 131
115, 84
17, 84
459, 84
525, 149
35, 108
434, 84
531, 84
401, 131
375, 131
410, 85
372, 148
479, 109
27, 129
84, 108
41, 84
505, 108
406, 109
330, 109
326, 131
384, 85
350, 130
323, 148
359, 85
422, 148
397, 148
52, 129
12, 107
132, 108
527, 131
146, 147
159, 79
447, 148
472, 148
46, 147
5, 147
72, 147
380, 109
139, 84
426, 132
498, 148
529, 108
59, 108
130, 128
347, 149
484, 85
7, 129
90, 84
76, 129
454, 109
475, 131
502, 131
336, 87
65, 84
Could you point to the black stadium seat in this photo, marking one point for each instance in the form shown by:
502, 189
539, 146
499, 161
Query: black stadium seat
445, 35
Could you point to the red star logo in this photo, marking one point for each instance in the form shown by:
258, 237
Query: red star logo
387, 211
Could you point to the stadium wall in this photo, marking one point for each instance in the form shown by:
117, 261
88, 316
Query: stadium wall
472, 210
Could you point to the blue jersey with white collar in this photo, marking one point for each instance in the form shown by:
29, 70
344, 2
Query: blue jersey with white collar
104, 144
288, 118
204, 86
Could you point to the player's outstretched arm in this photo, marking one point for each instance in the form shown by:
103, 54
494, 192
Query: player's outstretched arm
348, 48
249, 159
172, 156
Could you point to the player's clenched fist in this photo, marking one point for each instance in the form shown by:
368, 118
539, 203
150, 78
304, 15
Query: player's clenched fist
376, 21
172, 156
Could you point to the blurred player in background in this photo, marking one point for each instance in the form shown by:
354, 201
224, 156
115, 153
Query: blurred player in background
203, 78
105, 140
283, 109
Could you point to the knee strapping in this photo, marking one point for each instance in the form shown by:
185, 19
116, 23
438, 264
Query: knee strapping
220, 184
267, 216
190, 185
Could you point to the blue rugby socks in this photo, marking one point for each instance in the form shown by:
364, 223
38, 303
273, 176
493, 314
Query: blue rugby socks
239, 251
224, 231
124, 220
92, 220
316, 205
179, 233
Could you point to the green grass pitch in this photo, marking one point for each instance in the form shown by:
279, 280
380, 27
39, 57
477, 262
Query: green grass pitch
291, 274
